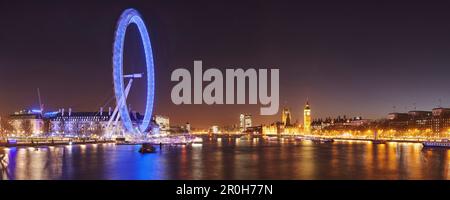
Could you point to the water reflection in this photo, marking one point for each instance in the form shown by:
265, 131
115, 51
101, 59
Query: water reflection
229, 159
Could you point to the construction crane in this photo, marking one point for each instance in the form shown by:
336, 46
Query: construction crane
41, 106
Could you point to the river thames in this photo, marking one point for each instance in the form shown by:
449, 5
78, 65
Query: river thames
229, 159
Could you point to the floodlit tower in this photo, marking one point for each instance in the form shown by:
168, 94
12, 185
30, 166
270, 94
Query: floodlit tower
188, 126
241, 122
286, 117
248, 121
245, 121
307, 118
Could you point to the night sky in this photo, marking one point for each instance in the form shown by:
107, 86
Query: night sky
348, 58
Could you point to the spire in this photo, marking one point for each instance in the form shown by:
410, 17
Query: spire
307, 103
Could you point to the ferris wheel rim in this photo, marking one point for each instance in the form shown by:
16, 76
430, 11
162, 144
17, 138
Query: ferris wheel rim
128, 17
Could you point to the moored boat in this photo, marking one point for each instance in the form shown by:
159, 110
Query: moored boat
326, 140
298, 138
197, 140
322, 140
123, 141
272, 138
147, 148
378, 141
440, 144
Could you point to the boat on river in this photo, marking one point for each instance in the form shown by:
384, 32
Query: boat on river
326, 140
124, 141
147, 148
322, 140
197, 140
272, 138
378, 141
441, 144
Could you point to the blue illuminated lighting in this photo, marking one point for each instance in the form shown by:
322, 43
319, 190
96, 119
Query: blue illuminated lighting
132, 16
36, 111
12, 141
51, 114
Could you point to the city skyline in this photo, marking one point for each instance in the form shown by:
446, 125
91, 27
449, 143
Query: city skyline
323, 54
224, 90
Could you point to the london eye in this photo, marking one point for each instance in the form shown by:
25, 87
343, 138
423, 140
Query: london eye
128, 17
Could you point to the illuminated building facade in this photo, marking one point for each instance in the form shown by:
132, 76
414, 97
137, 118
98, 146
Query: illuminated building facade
70, 123
215, 129
273, 129
27, 123
413, 124
279, 128
339, 123
188, 127
283, 127
307, 118
441, 120
398, 121
163, 122
420, 120
85, 124
245, 121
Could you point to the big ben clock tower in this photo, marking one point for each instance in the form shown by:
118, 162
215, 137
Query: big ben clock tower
307, 118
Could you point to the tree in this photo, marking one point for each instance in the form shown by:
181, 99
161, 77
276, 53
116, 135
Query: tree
5, 127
